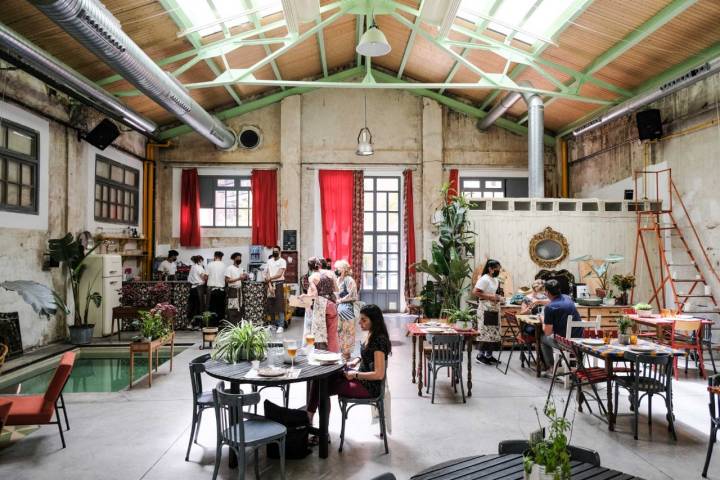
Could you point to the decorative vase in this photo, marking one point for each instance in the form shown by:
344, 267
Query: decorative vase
538, 473
600, 292
81, 335
624, 339
623, 298
608, 301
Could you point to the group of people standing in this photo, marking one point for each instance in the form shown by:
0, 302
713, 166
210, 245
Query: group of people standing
333, 307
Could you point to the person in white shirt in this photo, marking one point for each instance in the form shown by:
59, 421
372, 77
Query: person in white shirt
234, 275
488, 312
196, 278
275, 277
216, 286
168, 267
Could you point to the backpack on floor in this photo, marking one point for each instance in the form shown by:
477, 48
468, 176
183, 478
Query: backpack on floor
296, 422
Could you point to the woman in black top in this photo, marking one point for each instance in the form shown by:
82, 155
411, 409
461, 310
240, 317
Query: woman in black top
364, 381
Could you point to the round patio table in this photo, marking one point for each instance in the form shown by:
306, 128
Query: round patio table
235, 374
508, 467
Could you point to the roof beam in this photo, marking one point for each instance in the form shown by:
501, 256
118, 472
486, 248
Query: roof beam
321, 46
359, 22
256, 23
410, 42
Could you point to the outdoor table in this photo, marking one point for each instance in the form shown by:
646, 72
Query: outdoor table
535, 321
235, 374
418, 332
661, 323
508, 467
614, 352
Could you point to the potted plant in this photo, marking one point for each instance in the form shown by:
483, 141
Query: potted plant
549, 458
623, 324
600, 271
243, 342
429, 300
208, 333
72, 255
151, 325
449, 267
461, 317
643, 309
623, 283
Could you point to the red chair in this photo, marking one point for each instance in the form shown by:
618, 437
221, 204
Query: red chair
4, 411
39, 409
687, 335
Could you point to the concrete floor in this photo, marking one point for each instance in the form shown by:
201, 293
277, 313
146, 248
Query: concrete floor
143, 433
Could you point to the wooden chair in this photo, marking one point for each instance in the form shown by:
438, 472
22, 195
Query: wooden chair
347, 403
687, 335
39, 409
121, 314
201, 399
446, 352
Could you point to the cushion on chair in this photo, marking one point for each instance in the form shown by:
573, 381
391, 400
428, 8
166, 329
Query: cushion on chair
62, 373
27, 410
259, 431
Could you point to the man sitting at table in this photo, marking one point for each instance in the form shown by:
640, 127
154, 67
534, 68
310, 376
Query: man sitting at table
555, 316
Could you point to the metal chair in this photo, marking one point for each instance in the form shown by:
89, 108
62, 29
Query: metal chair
385, 476
238, 431
514, 333
652, 375
446, 352
714, 391
347, 403
578, 454
201, 399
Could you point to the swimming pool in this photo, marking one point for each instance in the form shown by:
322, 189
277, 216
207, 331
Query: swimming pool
96, 370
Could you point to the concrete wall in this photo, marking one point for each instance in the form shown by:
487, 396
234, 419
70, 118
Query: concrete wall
318, 130
67, 170
603, 162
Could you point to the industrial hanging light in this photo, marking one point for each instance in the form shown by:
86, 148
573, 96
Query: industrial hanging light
364, 140
373, 42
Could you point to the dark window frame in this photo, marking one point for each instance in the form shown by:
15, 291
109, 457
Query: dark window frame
32, 160
134, 190
236, 188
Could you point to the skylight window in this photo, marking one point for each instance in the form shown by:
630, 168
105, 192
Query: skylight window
511, 16
232, 12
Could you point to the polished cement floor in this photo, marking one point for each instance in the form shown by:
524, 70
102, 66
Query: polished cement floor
143, 433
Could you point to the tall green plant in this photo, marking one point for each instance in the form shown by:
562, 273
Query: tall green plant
450, 264
72, 255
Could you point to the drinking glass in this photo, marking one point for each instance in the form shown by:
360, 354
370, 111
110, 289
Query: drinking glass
606, 337
633, 339
310, 342
292, 351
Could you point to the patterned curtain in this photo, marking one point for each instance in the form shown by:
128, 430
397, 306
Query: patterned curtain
358, 226
409, 233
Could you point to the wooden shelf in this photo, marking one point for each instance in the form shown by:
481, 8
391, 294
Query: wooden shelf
118, 237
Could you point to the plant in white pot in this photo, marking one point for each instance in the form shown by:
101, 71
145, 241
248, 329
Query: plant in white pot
549, 459
624, 323
462, 317
243, 342
643, 309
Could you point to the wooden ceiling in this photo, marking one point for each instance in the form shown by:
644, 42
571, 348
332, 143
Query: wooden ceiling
601, 26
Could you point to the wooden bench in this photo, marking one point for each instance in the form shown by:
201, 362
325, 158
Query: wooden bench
151, 347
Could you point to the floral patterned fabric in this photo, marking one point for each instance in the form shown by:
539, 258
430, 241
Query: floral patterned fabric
254, 298
409, 235
358, 226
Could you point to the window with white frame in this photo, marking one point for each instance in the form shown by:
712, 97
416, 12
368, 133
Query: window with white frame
225, 201
117, 192
18, 168
475, 188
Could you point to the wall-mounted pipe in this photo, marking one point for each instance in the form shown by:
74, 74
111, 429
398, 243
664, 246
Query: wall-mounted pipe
505, 104
91, 24
629, 106
18, 51
536, 130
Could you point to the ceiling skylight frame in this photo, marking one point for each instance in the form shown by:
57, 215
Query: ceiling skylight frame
230, 13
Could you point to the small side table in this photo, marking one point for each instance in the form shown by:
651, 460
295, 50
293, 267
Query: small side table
150, 348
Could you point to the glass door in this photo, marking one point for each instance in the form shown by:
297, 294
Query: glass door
381, 243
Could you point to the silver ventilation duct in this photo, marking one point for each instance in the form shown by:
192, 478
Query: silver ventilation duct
685, 80
90, 23
21, 53
536, 131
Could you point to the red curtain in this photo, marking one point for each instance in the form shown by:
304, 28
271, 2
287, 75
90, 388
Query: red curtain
454, 186
264, 207
409, 226
358, 230
336, 208
190, 208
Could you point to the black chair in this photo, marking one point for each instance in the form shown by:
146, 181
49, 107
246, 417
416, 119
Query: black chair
578, 454
239, 431
714, 391
347, 403
201, 400
651, 375
446, 352
385, 476
518, 339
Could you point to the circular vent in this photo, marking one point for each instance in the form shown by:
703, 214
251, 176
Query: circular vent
249, 138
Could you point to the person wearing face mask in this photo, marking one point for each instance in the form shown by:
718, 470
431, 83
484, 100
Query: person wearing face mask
234, 275
488, 316
275, 276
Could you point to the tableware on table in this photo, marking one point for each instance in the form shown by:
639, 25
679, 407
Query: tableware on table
607, 336
271, 372
255, 364
327, 358
642, 347
594, 341
684, 316
434, 330
633, 339
309, 343
292, 351
432, 324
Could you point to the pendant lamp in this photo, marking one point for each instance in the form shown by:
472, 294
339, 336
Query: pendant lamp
373, 43
364, 139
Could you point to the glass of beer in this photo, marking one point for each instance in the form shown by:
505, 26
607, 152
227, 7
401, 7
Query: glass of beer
310, 342
292, 351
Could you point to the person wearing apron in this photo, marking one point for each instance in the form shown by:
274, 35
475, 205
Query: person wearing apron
488, 312
347, 307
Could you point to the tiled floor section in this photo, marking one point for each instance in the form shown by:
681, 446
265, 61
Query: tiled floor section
143, 433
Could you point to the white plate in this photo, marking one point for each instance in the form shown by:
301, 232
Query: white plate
326, 357
434, 330
593, 341
685, 317
271, 372
642, 348
431, 324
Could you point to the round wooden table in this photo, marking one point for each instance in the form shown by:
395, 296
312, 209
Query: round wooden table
235, 373
507, 467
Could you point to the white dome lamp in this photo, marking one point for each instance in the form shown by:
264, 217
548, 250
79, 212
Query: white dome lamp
373, 42
364, 139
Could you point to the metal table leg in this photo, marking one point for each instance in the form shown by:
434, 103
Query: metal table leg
421, 360
414, 354
324, 412
469, 366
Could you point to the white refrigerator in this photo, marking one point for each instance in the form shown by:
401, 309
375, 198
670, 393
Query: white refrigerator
103, 273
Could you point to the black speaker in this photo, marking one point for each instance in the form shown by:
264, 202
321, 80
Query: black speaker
103, 134
649, 124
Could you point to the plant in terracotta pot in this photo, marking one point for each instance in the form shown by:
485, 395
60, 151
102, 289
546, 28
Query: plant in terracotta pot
549, 458
624, 323
209, 333
623, 283
243, 342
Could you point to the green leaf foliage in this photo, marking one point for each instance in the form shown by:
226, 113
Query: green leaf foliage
236, 343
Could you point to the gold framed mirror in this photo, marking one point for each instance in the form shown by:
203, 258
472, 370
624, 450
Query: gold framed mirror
548, 248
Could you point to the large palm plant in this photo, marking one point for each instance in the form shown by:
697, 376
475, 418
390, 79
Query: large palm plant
450, 264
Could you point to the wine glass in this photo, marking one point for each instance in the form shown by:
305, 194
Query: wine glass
292, 351
310, 342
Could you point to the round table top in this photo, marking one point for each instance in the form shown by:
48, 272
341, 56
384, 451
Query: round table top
509, 467
236, 372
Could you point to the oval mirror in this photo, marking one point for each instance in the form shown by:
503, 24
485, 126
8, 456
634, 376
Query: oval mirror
548, 248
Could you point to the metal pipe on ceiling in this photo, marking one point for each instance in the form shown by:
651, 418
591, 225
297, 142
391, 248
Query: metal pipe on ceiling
629, 106
91, 24
18, 51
